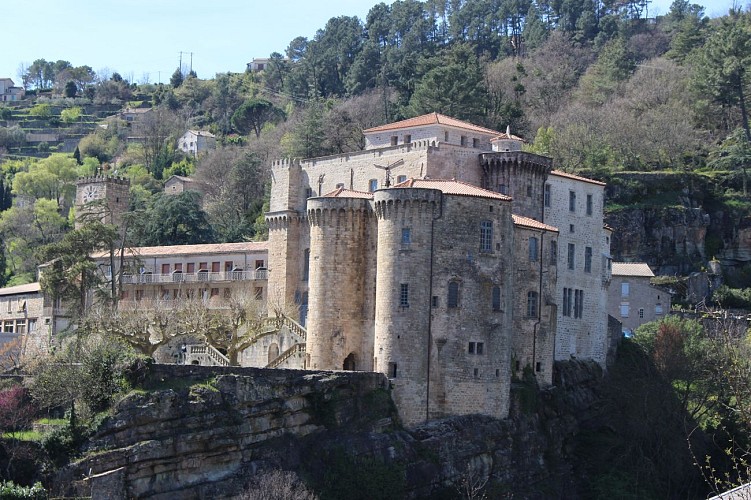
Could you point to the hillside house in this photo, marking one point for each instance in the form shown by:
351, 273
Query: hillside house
632, 299
9, 92
196, 141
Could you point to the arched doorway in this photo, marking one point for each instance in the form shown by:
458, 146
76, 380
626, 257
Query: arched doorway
273, 352
349, 362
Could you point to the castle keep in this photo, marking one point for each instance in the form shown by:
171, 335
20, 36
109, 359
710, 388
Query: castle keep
443, 256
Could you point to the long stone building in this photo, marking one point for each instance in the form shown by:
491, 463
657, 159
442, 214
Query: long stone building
444, 256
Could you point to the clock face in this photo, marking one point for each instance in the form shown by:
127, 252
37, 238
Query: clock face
90, 193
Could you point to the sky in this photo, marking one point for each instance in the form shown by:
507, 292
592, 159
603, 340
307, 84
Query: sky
142, 39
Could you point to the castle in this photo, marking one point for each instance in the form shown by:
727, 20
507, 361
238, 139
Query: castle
444, 256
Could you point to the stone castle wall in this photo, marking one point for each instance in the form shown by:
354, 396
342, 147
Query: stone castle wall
342, 251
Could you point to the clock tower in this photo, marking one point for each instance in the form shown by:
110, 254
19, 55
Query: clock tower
102, 198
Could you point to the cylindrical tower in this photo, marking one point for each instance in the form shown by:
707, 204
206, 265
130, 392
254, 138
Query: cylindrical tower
339, 322
403, 294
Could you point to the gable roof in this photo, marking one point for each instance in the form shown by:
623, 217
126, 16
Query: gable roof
200, 133
452, 187
348, 193
639, 269
561, 173
19, 289
210, 248
431, 119
520, 220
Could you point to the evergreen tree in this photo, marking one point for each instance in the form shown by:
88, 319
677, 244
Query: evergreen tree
177, 78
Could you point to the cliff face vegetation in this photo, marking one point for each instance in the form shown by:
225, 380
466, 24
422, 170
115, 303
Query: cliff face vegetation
340, 434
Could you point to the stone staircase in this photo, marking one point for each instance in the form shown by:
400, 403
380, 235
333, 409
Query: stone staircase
206, 354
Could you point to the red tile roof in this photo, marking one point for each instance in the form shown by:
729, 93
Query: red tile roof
561, 173
520, 220
431, 119
211, 248
505, 137
348, 193
452, 187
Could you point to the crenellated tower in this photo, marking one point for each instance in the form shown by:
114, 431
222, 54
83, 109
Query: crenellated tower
342, 282
102, 198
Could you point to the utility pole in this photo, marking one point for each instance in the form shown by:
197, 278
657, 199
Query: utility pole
191, 62
180, 64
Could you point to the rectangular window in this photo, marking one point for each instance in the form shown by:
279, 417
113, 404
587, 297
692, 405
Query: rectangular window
446, 136
641, 313
401, 178
553, 253
571, 201
567, 301
658, 309
475, 143
479, 348
435, 301
587, 259
340, 185
404, 295
486, 236
394, 140
372, 185
165, 268
215, 267
471, 348
392, 370
463, 140
32, 325
503, 188
308, 192
531, 304
578, 303
407, 139
178, 268
571, 256
306, 265
21, 326
624, 310
258, 292
406, 236
453, 295
496, 298
215, 292
589, 204
624, 289
529, 191
547, 195
139, 294
191, 267
533, 249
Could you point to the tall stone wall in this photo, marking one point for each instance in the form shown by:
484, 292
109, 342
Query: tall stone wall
471, 346
403, 294
534, 334
342, 252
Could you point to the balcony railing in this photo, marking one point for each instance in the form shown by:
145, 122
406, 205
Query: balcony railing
201, 276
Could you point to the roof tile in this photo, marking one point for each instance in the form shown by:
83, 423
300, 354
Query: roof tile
632, 269
452, 187
520, 220
561, 173
431, 119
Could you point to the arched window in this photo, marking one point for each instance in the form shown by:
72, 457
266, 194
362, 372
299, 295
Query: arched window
453, 296
349, 362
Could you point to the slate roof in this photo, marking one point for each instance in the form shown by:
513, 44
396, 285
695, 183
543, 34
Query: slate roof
632, 269
431, 119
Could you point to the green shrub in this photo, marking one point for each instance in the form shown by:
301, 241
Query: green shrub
12, 491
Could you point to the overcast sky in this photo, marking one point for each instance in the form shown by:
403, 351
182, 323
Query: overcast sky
142, 39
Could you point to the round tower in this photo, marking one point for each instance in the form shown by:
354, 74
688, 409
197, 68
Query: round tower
341, 257
403, 294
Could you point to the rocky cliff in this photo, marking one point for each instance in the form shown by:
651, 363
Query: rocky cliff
337, 430
676, 222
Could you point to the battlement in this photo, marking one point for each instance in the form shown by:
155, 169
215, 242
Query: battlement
523, 157
323, 210
103, 178
285, 162
389, 202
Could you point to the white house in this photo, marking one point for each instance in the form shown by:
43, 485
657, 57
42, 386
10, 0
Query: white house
196, 141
